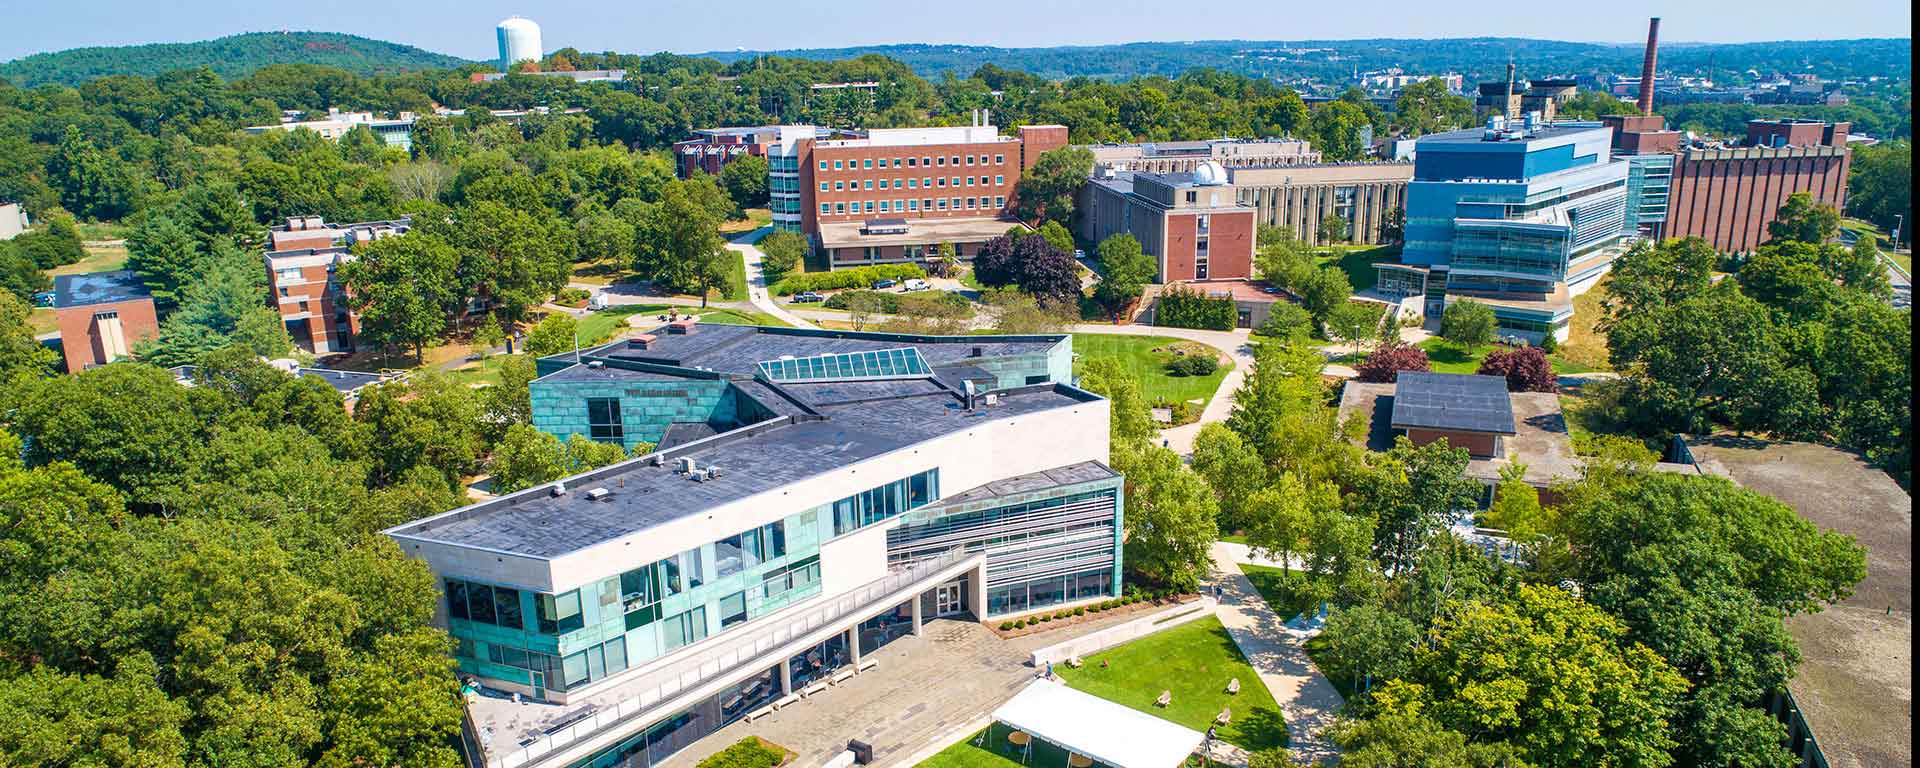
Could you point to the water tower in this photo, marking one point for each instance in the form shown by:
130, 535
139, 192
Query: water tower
519, 41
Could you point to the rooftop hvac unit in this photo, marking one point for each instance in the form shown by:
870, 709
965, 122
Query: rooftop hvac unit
686, 465
596, 494
699, 475
559, 488
659, 459
713, 472
993, 399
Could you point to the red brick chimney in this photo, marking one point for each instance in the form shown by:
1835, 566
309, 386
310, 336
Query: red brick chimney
1646, 67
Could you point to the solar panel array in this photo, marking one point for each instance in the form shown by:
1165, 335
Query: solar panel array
902, 363
1453, 401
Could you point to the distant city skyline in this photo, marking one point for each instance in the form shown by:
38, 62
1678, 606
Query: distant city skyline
465, 29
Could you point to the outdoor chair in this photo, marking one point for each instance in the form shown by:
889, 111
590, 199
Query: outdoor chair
1233, 687
1166, 699
1226, 716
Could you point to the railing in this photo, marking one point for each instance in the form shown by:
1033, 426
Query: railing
680, 675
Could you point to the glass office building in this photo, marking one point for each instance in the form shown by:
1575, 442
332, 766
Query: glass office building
1522, 216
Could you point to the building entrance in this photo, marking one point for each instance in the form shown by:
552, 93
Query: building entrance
949, 599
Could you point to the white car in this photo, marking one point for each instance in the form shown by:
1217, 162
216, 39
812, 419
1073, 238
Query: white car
597, 301
916, 284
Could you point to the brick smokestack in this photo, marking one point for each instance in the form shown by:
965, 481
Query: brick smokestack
1646, 67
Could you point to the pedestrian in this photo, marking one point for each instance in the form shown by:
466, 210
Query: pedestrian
1049, 670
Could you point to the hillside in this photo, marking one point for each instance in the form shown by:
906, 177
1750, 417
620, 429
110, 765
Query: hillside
230, 57
1333, 59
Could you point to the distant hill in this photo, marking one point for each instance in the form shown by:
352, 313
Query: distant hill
230, 57
1331, 59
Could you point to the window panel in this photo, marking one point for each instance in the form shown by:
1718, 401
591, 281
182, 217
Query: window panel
457, 599
506, 608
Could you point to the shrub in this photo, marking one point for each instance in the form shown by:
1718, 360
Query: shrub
1526, 369
886, 303
1549, 344
1060, 614
1046, 618
1096, 607
572, 297
1183, 307
1006, 625
1286, 320
1386, 363
857, 277
1080, 611
749, 752
1201, 364
552, 335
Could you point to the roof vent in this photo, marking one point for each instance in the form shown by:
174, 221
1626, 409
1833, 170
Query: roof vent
559, 488
713, 471
686, 465
641, 341
977, 352
700, 475
659, 459
596, 364
993, 399
596, 494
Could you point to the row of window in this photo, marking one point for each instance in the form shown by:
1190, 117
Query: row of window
923, 162
930, 182
915, 206
872, 506
747, 549
484, 604
791, 578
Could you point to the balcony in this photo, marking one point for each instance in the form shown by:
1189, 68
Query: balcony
603, 714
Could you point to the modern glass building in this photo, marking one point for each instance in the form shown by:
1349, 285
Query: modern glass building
1522, 216
813, 495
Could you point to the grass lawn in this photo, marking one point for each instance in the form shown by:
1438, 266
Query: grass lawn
736, 287
1448, 357
756, 218
967, 279
1905, 260
101, 259
1357, 261
42, 320
1277, 587
479, 372
1236, 538
599, 326
999, 753
95, 232
1139, 358
1194, 661
1584, 345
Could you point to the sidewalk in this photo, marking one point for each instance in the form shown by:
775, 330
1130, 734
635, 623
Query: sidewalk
757, 278
1307, 700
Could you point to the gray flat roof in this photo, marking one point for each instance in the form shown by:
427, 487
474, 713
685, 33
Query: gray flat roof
1452, 401
1478, 135
738, 349
97, 288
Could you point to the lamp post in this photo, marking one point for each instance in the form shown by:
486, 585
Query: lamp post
1898, 219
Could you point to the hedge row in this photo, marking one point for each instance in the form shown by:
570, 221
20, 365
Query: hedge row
857, 277
1183, 307
1064, 613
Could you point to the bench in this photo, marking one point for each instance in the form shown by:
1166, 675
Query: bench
866, 664
842, 676
760, 713
786, 701
1233, 687
815, 688
1166, 698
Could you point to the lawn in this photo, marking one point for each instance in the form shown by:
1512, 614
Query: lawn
1143, 358
736, 287
1448, 357
1277, 587
599, 326
1584, 345
756, 218
1357, 261
98, 259
1194, 661
1002, 754
479, 372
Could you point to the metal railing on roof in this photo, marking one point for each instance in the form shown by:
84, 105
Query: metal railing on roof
731, 655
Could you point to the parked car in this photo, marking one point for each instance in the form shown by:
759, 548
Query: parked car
807, 297
597, 301
916, 284
881, 285
1079, 254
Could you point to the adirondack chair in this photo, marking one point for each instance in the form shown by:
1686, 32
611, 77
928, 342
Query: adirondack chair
1233, 687
1166, 698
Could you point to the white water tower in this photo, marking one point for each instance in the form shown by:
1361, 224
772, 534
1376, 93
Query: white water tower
519, 41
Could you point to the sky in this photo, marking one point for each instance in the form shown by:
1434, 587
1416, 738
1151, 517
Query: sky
465, 27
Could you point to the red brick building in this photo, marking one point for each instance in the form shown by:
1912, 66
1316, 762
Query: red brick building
1191, 223
1728, 195
712, 148
101, 316
898, 193
301, 257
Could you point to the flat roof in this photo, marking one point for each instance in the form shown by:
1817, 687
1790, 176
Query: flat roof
919, 232
97, 288
1454, 402
754, 459
739, 349
1854, 685
1540, 440
1542, 133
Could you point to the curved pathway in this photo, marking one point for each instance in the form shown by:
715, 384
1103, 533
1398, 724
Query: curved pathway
1307, 699
757, 277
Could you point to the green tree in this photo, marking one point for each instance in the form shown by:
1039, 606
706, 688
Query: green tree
1353, 322
784, 253
511, 257
1131, 422
1170, 517
745, 179
605, 239
1368, 642
1415, 491
92, 183
1056, 236
20, 353
224, 305
1805, 220
1232, 470
1283, 384
527, 457
404, 289
1880, 187
1557, 678
130, 426
1393, 226
119, 720
165, 255
1652, 275
1428, 107
1516, 507
1337, 128
429, 422
1408, 739
20, 275
1286, 320
1468, 323
1323, 290
555, 333
1332, 229
1280, 516
1713, 357
1047, 190
679, 245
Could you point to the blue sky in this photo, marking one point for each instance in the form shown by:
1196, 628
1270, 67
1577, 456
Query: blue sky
465, 27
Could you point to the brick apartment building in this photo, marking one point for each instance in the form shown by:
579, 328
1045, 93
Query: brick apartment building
301, 257
101, 316
1192, 223
896, 194
1728, 195
712, 148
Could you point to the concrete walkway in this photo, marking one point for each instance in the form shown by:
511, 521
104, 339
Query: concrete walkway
757, 277
1307, 699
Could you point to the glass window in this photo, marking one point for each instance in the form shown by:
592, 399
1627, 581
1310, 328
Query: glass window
869, 206
999, 179
999, 201
506, 608
574, 669
998, 159
457, 599
825, 208
839, 207
956, 159
913, 205
883, 206
559, 614
733, 609
869, 183
940, 161
823, 165
868, 163
883, 183
942, 181
969, 159
836, 165
839, 185
480, 603
823, 186
603, 419
689, 627
616, 651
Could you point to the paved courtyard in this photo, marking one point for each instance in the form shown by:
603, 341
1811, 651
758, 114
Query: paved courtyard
925, 693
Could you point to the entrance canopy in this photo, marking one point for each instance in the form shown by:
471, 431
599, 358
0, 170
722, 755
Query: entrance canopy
1107, 732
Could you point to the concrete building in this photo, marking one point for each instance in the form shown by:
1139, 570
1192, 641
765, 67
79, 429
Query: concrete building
816, 495
1501, 430
1191, 223
396, 131
300, 259
1364, 195
101, 316
896, 194
13, 220
1521, 216
712, 148
576, 75
1186, 156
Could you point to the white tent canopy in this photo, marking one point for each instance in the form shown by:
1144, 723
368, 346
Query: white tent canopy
1100, 729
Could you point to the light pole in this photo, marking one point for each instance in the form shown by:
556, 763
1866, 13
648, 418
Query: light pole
1898, 219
